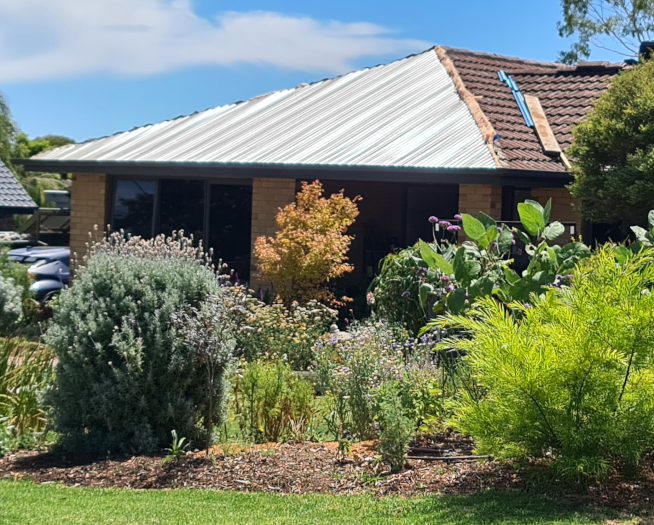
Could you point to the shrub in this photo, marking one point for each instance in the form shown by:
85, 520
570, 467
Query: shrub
310, 245
272, 402
11, 270
573, 378
210, 333
351, 368
25, 369
124, 380
396, 428
11, 307
276, 332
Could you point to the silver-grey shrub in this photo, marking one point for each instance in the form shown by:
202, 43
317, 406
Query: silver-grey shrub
124, 379
11, 305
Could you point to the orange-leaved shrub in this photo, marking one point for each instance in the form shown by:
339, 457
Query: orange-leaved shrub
310, 245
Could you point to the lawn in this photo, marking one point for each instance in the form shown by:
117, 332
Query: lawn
26, 503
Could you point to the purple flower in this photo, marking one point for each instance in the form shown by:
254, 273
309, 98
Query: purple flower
445, 224
458, 217
569, 276
406, 294
513, 241
527, 305
558, 277
450, 288
445, 278
499, 229
519, 251
453, 228
421, 271
433, 219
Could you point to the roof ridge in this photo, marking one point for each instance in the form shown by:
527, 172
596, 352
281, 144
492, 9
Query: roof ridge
542, 63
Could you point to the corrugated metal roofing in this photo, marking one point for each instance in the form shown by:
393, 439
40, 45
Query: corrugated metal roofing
404, 114
12, 193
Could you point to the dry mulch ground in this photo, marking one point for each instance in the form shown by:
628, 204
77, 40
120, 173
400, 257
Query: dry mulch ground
311, 468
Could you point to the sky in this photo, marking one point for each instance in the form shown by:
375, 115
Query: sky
90, 68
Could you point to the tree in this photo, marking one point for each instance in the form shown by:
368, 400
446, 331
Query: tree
613, 151
614, 25
7, 132
310, 244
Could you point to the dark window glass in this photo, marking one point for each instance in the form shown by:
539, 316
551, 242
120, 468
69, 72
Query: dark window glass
133, 207
230, 218
511, 197
182, 207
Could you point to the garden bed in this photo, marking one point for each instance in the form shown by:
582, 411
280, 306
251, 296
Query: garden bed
304, 468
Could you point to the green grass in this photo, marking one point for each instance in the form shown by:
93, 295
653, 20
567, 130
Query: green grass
24, 502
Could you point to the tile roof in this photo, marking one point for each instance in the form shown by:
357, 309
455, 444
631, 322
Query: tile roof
13, 197
565, 92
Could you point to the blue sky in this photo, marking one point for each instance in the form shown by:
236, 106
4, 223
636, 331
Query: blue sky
88, 69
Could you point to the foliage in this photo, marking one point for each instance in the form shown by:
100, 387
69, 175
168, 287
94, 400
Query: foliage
396, 428
310, 245
272, 402
177, 448
613, 25
572, 379
124, 379
613, 151
443, 277
10, 305
402, 273
7, 132
210, 333
25, 370
353, 367
276, 332
18, 274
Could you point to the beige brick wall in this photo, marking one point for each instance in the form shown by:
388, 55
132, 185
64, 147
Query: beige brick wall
268, 196
562, 205
88, 208
474, 198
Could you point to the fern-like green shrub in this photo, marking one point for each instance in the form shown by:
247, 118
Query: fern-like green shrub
124, 378
572, 378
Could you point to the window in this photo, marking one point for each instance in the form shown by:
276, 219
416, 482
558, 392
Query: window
182, 207
511, 197
134, 207
230, 218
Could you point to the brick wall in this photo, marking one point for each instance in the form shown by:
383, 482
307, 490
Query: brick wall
88, 208
474, 198
562, 205
268, 195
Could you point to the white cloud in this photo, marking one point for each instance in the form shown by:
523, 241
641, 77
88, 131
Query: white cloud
44, 39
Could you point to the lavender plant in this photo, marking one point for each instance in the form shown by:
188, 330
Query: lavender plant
124, 379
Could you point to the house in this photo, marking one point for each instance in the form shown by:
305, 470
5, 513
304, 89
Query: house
442, 132
14, 200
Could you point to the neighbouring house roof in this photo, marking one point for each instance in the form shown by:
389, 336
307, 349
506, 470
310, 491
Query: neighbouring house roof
441, 109
13, 197
565, 92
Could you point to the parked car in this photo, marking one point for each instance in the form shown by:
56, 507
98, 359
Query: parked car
48, 265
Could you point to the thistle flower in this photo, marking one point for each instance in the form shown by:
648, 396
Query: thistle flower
406, 294
453, 228
458, 217
433, 219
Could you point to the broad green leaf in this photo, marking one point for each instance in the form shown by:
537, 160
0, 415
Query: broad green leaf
435, 260
547, 211
650, 221
425, 292
531, 217
482, 287
523, 236
641, 233
465, 270
622, 254
511, 276
486, 220
535, 204
489, 237
456, 300
505, 240
553, 231
473, 227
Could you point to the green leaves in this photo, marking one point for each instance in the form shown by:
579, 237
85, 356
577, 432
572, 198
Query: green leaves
465, 268
472, 227
532, 216
434, 259
553, 231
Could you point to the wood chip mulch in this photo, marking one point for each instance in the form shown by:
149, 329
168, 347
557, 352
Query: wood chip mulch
301, 468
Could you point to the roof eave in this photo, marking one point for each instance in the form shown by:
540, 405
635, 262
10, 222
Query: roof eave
212, 170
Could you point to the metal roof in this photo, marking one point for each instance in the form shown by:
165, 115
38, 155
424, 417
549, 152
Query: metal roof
404, 114
13, 197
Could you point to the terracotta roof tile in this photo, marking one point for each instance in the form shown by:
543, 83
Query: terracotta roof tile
565, 92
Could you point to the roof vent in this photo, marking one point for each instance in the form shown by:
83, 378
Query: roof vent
519, 98
646, 50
